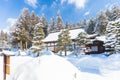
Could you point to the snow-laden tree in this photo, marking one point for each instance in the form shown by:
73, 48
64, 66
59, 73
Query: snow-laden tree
117, 30
38, 37
110, 37
115, 12
64, 40
67, 25
59, 21
45, 24
15, 38
91, 26
113, 36
77, 25
108, 14
24, 19
52, 25
34, 19
25, 27
3, 38
84, 24
101, 23
22, 26
81, 41
72, 26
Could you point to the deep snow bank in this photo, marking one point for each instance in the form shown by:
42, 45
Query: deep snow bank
47, 67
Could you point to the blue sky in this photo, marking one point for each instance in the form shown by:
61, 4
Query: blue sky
71, 10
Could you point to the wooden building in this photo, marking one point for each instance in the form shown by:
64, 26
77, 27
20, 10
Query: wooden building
95, 47
52, 39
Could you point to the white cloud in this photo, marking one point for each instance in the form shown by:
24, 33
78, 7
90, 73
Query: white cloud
43, 7
32, 3
78, 3
54, 4
62, 1
87, 13
11, 22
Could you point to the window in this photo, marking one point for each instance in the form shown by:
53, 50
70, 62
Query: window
94, 48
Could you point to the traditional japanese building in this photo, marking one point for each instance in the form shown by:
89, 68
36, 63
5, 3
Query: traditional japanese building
52, 39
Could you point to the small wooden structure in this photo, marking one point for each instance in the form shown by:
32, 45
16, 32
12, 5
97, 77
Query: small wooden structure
6, 65
95, 47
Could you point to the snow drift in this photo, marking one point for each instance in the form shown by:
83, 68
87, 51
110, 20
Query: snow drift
47, 67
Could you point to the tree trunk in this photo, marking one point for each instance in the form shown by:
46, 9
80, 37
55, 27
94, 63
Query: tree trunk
65, 50
26, 45
21, 45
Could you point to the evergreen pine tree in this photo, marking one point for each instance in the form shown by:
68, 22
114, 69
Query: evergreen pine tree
34, 19
110, 37
108, 14
91, 26
82, 39
84, 24
115, 12
59, 23
23, 25
67, 25
38, 37
101, 23
52, 25
15, 37
64, 40
45, 24
117, 30
113, 36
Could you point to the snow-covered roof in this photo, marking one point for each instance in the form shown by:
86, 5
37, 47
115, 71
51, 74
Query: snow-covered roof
92, 35
8, 53
101, 38
54, 36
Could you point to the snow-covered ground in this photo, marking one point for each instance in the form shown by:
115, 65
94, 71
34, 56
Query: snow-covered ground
92, 66
71, 67
50, 67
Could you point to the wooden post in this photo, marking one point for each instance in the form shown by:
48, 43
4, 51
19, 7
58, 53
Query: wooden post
4, 67
74, 45
47, 46
54, 47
